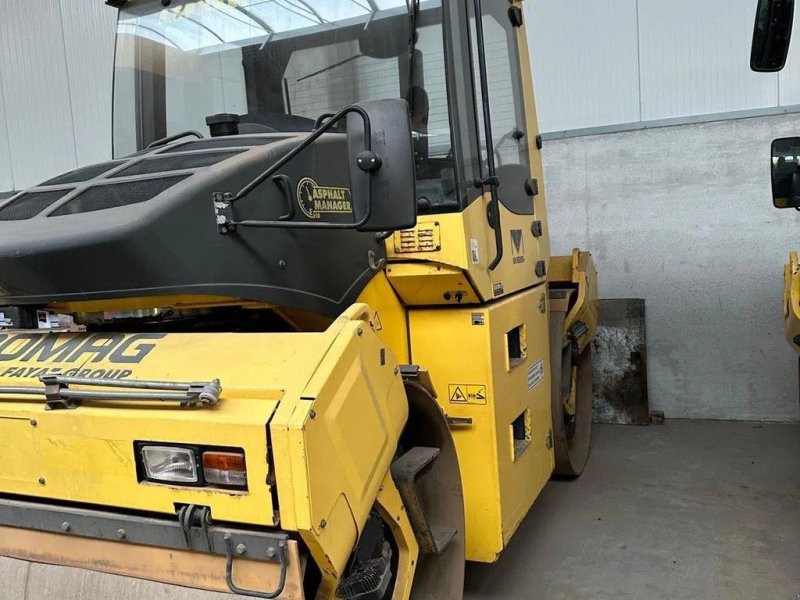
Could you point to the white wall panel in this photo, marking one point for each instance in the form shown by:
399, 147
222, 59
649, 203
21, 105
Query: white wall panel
790, 77
36, 91
695, 59
89, 28
585, 62
6, 174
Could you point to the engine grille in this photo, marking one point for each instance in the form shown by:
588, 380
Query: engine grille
161, 164
120, 194
82, 174
30, 204
218, 143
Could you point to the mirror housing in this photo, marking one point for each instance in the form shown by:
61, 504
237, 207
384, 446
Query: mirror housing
786, 172
772, 35
387, 186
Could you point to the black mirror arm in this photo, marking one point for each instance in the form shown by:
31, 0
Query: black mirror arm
367, 161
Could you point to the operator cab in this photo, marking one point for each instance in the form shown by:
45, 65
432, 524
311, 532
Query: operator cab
278, 67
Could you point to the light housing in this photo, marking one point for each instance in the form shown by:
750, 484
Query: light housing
225, 468
170, 464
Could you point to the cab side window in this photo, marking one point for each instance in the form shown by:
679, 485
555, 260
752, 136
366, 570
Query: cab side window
506, 106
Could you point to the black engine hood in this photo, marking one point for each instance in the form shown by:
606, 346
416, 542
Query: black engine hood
145, 226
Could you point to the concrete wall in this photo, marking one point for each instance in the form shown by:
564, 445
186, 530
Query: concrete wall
682, 216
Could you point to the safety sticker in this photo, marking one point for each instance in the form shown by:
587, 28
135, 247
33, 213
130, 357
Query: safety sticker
476, 257
478, 319
464, 393
376, 322
535, 374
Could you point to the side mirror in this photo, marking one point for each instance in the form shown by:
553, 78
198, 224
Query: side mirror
771, 35
387, 187
786, 173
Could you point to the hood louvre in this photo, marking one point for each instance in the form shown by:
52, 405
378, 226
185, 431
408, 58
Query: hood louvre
102, 197
30, 204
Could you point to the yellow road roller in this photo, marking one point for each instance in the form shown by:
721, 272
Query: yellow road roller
324, 351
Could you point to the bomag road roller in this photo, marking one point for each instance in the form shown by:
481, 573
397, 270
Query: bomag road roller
327, 353
772, 36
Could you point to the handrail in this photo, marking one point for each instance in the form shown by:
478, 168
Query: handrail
171, 138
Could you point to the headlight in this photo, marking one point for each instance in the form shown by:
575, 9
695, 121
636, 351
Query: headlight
195, 466
167, 464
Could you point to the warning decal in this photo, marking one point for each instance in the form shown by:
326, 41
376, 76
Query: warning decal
463, 393
376, 322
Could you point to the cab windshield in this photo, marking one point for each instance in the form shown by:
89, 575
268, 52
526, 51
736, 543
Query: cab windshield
281, 64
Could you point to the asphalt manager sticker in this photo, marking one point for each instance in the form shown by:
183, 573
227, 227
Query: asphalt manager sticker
535, 374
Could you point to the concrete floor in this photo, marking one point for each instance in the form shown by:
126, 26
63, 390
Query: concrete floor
689, 510
694, 510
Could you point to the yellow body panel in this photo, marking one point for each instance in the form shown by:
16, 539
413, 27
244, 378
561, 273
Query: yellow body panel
466, 351
467, 248
577, 272
421, 284
332, 446
388, 319
791, 300
87, 454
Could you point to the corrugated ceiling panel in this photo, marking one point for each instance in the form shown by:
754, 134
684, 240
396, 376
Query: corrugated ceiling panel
89, 44
695, 59
585, 62
36, 91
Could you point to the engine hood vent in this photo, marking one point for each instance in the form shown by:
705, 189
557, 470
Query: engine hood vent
29, 204
82, 174
174, 162
145, 226
102, 197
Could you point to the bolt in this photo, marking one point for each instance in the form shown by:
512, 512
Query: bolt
65, 526
323, 524
42, 481
34, 422
360, 332
312, 413
121, 534
271, 552
447, 296
241, 549
396, 370
282, 264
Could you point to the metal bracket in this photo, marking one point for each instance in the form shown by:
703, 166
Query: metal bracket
161, 532
193, 515
223, 211
283, 557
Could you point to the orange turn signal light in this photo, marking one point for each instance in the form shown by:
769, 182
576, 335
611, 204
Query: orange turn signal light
225, 468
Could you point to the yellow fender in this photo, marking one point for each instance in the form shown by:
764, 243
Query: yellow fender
791, 300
